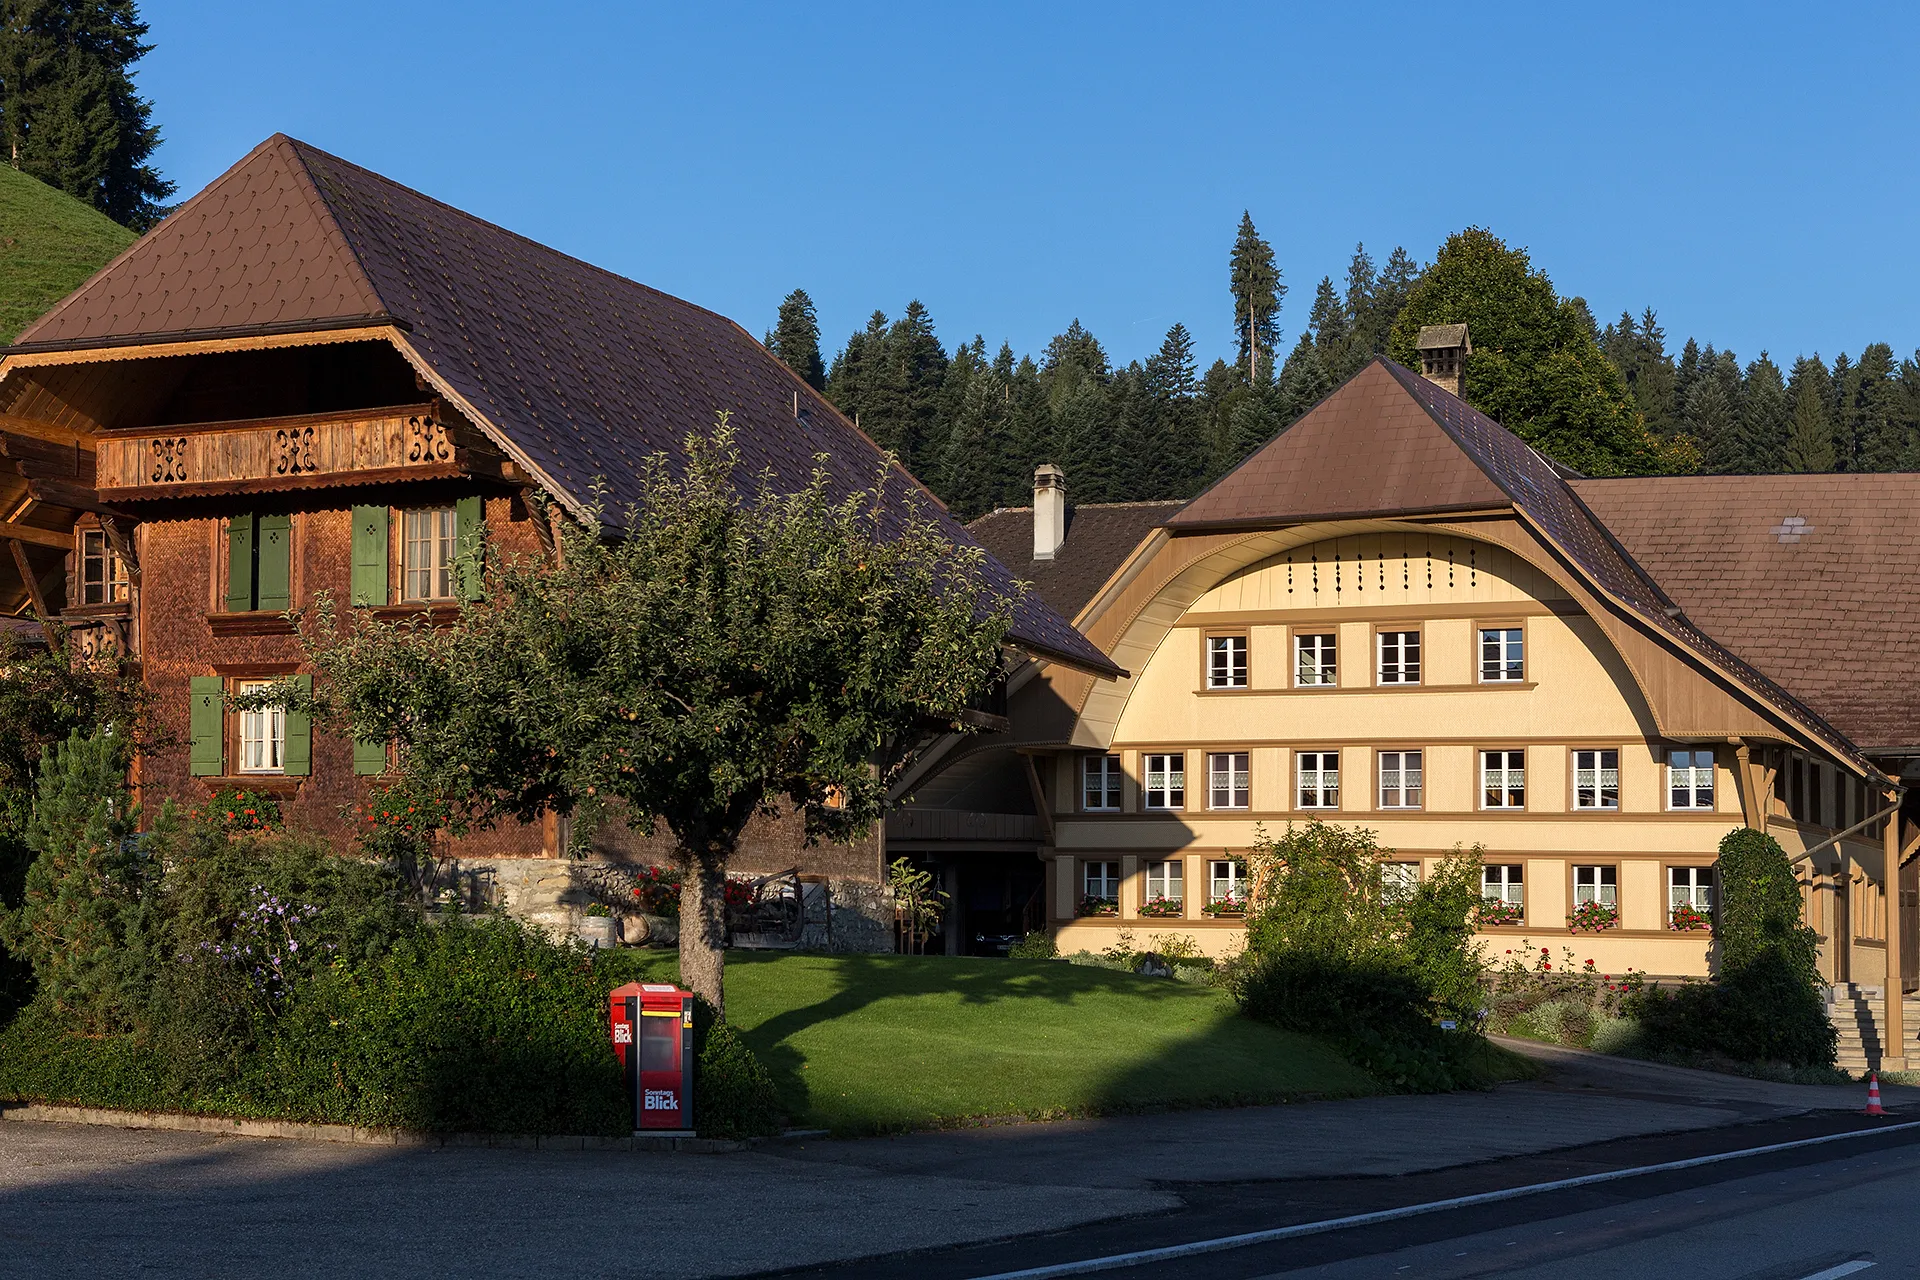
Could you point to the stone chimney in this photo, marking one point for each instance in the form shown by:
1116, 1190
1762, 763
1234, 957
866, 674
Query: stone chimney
1443, 354
1049, 510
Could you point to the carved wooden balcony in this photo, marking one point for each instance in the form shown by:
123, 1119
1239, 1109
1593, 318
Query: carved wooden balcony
310, 451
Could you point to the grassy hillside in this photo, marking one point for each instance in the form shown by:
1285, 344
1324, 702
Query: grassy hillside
49, 244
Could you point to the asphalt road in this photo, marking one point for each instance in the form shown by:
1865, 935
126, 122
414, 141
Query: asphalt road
78, 1200
1816, 1213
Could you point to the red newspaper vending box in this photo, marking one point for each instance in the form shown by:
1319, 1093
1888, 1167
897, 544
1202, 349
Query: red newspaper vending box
652, 1028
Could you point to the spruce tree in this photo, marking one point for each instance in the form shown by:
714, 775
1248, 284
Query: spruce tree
796, 339
1391, 289
1254, 280
68, 108
1766, 419
1810, 435
1304, 380
1841, 384
1878, 430
850, 380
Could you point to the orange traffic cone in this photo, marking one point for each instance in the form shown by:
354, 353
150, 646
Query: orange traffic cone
1873, 1095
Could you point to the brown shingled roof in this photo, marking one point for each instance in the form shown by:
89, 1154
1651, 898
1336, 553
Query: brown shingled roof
1100, 536
1809, 578
583, 372
1366, 451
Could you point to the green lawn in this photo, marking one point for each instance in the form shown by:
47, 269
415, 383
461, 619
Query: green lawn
49, 243
867, 1044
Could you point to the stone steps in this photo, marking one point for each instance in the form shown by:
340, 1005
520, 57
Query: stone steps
1855, 1013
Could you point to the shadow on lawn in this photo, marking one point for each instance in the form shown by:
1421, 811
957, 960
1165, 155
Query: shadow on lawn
863, 981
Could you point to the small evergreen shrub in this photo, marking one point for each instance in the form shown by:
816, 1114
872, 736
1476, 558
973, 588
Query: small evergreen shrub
1037, 945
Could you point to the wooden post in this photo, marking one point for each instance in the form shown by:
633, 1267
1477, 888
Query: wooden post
33, 593
1893, 1044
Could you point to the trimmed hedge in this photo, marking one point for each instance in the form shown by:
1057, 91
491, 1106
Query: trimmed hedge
480, 1026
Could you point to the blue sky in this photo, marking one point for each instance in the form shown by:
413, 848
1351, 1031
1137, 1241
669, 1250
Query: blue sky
1746, 170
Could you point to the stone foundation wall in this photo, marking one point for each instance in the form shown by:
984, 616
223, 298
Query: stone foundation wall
554, 893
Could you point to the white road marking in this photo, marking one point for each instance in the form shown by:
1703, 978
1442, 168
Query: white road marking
1220, 1244
1844, 1269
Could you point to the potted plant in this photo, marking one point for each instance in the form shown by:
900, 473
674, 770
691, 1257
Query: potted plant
1162, 907
1687, 918
1593, 917
599, 929
1227, 906
1500, 911
1099, 907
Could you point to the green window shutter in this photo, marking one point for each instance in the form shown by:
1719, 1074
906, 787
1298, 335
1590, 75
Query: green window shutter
240, 564
274, 554
370, 553
207, 722
468, 515
299, 754
369, 757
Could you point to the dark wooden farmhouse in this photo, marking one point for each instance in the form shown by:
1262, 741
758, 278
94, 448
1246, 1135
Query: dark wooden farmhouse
310, 378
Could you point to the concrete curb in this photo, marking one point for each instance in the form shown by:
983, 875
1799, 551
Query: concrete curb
226, 1126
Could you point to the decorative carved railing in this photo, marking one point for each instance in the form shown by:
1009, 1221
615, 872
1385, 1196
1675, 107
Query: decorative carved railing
315, 449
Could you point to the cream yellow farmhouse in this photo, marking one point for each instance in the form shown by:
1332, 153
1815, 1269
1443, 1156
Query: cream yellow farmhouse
1399, 616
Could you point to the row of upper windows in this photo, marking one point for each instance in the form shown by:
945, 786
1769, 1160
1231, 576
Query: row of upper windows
1399, 780
259, 565
1396, 658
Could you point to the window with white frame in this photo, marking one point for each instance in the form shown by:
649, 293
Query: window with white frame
1227, 881
1399, 653
1503, 883
1502, 655
263, 734
1100, 784
1503, 779
1226, 662
1398, 881
1596, 884
1313, 660
1400, 778
1690, 887
1690, 779
1319, 779
1100, 883
1166, 779
1229, 784
1164, 883
1596, 779
103, 575
430, 539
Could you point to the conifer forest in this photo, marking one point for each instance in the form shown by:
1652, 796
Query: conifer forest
973, 421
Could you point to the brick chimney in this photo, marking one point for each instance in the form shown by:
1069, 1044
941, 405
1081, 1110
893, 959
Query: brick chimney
1444, 349
1049, 510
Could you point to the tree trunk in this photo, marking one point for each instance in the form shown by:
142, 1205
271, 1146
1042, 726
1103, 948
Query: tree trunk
703, 925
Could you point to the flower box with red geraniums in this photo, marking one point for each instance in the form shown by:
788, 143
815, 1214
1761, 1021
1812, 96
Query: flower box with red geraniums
1592, 917
1500, 911
1225, 907
1162, 908
1690, 920
1098, 907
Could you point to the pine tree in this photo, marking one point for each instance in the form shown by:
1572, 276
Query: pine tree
1766, 419
1391, 289
796, 339
1171, 380
1810, 435
1254, 281
1328, 323
1685, 374
850, 380
68, 108
1711, 420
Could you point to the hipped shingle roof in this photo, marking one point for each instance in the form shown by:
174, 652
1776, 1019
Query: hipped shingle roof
582, 373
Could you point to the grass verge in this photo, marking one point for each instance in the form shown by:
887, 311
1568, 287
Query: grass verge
49, 244
877, 1044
